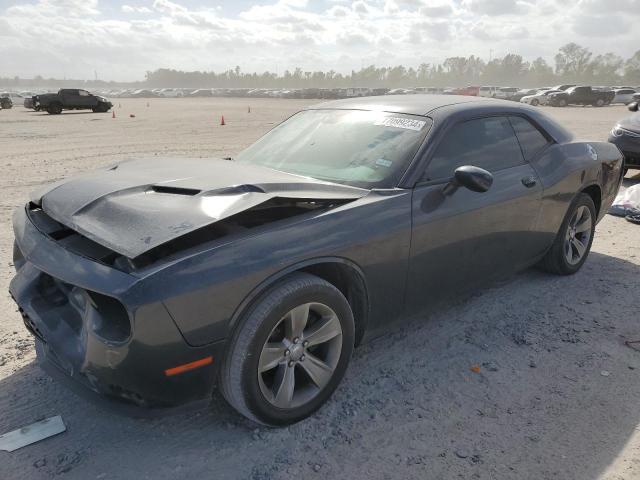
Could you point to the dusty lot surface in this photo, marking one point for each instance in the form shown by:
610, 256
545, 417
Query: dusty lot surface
557, 396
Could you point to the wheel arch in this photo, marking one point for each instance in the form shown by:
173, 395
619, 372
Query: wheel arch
595, 192
342, 273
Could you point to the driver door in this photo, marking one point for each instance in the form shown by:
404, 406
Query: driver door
464, 238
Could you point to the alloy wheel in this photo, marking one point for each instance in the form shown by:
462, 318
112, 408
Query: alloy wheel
576, 241
300, 356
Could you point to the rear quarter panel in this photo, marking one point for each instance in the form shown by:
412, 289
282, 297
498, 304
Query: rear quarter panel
567, 169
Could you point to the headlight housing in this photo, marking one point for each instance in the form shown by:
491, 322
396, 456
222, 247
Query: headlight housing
618, 131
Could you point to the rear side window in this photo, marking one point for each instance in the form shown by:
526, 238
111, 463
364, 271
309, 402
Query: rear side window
531, 139
488, 143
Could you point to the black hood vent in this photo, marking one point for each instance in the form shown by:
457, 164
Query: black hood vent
175, 190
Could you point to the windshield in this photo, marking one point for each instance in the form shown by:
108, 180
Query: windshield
360, 148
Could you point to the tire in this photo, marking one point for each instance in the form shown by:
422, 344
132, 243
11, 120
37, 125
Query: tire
100, 108
562, 103
599, 103
250, 380
54, 109
535, 102
556, 260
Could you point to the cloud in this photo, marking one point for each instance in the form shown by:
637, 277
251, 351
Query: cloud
134, 9
76, 37
497, 7
433, 11
599, 26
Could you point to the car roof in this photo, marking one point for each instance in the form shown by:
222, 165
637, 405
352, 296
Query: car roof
420, 104
443, 107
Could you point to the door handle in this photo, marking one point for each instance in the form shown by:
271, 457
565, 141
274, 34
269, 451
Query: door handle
529, 181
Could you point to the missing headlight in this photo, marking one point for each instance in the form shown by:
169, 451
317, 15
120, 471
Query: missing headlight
108, 318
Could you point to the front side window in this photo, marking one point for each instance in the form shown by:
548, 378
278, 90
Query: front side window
488, 143
531, 139
360, 148
83, 93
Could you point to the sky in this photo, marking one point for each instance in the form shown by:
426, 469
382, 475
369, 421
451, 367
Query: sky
121, 40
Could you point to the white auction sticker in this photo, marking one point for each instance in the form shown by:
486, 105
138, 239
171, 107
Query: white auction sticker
407, 123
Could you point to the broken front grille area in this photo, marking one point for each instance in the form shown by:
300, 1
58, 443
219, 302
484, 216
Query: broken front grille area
74, 241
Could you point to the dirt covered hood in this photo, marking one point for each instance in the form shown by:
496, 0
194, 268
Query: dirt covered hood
136, 206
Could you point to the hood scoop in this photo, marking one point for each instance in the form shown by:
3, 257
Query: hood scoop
175, 190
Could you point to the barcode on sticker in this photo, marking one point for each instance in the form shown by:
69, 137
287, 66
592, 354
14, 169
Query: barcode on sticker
407, 123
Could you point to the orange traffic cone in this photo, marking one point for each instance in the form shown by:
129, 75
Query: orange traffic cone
113, 114
222, 120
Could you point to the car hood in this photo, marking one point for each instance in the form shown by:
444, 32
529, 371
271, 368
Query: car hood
631, 123
136, 206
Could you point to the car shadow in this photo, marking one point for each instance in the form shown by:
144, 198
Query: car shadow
67, 112
528, 378
632, 178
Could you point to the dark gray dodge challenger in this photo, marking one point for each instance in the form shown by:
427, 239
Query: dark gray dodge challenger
150, 282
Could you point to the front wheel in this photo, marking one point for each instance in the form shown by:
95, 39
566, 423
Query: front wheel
535, 102
573, 242
290, 352
54, 109
599, 103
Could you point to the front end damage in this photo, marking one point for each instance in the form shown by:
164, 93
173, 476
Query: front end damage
97, 259
90, 332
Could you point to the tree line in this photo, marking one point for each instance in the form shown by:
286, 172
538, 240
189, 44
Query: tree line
573, 64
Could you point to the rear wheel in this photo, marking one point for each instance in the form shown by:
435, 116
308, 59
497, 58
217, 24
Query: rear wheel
562, 103
100, 108
290, 352
573, 242
599, 103
535, 102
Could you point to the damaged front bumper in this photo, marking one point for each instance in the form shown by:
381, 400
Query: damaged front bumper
91, 331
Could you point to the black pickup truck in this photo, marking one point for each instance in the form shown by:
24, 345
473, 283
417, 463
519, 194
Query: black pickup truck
581, 96
70, 99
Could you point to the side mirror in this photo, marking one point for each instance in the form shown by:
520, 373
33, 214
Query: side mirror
475, 179
633, 107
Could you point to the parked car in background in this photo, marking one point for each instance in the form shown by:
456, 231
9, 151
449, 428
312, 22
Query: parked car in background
469, 90
6, 103
202, 92
171, 92
623, 95
506, 93
516, 97
541, 97
563, 87
581, 95
626, 136
71, 99
28, 103
487, 91
16, 98
357, 92
379, 91
400, 91
143, 93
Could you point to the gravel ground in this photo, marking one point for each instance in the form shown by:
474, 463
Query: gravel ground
526, 379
